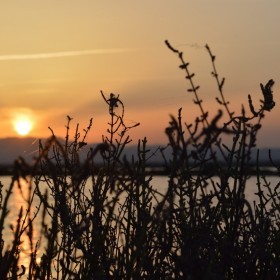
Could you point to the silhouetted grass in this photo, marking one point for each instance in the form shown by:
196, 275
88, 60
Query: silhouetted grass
111, 223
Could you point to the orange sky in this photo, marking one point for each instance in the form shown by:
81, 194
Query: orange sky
56, 56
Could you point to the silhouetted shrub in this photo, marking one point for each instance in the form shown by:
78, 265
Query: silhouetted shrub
107, 221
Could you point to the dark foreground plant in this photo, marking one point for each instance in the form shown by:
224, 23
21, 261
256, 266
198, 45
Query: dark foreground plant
105, 220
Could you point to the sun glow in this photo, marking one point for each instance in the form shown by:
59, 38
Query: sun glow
23, 126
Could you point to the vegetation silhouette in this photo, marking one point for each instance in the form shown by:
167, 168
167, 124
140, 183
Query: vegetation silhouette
113, 224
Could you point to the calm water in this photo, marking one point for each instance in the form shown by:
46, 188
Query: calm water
19, 196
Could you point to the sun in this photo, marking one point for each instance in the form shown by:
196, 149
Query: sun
23, 126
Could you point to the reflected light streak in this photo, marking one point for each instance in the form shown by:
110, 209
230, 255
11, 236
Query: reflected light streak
19, 199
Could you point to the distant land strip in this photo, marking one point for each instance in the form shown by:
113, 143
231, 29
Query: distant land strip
152, 169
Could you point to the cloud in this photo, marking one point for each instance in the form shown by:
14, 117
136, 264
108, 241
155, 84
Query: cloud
33, 56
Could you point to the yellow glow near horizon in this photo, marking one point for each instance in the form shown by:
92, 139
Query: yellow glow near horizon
23, 126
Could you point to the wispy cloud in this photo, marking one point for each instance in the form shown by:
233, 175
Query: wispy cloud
33, 56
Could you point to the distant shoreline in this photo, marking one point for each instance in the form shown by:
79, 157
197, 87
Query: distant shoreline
154, 170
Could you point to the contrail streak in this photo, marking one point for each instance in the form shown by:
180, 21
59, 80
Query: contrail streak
33, 56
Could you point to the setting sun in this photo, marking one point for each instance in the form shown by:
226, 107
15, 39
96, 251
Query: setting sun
23, 126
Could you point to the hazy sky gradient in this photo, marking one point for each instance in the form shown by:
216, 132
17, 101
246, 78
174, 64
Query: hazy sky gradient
56, 56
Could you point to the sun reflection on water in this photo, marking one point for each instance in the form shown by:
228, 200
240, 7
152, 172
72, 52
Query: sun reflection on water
30, 238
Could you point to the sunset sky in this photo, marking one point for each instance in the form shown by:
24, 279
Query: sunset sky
56, 56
